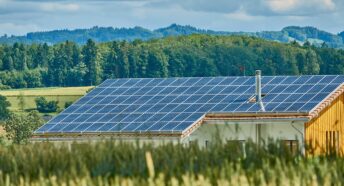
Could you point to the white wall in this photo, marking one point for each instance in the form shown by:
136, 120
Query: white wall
285, 131
88, 139
224, 132
247, 130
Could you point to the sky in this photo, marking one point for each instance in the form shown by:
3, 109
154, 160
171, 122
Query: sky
18, 17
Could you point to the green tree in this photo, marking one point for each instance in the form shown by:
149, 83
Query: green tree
21, 101
19, 128
33, 78
311, 65
133, 58
142, 62
91, 60
157, 64
8, 63
176, 66
68, 64
111, 66
41, 56
58, 67
45, 106
17, 80
4, 111
76, 75
19, 56
123, 61
67, 104
207, 68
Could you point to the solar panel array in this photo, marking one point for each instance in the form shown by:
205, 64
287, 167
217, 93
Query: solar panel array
174, 104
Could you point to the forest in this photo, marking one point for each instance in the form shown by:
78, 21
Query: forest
107, 34
70, 64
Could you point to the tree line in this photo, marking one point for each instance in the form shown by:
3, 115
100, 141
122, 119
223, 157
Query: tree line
70, 64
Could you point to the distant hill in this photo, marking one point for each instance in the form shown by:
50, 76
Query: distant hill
341, 35
104, 34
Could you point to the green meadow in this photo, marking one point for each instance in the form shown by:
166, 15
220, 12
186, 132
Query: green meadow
60, 94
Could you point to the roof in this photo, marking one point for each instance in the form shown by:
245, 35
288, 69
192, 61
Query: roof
177, 105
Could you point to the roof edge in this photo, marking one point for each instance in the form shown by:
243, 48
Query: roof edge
108, 134
315, 112
255, 114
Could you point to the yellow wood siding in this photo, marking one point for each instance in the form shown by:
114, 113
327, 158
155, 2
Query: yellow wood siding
320, 131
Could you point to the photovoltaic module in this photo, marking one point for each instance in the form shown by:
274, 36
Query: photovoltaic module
174, 104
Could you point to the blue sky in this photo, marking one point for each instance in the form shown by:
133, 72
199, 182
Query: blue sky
21, 16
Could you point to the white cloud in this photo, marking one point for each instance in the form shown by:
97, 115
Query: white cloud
255, 7
281, 5
301, 7
329, 4
241, 15
17, 29
51, 7
228, 15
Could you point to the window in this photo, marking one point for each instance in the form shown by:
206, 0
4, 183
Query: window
291, 145
332, 141
207, 143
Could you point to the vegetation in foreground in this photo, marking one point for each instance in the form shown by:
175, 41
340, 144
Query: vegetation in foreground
111, 163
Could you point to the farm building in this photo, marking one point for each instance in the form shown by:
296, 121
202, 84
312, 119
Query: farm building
298, 110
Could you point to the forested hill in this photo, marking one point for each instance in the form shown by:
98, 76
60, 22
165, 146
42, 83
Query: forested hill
69, 64
105, 34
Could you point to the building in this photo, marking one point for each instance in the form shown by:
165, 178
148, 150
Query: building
297, 109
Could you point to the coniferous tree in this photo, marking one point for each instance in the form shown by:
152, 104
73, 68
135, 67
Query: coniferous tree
157, 64
312, 66
76, 75
58, 67
4, 105
8, 63
91, 60
133, 59
21, 101
111, 66
142, 62
123, 61
69, 64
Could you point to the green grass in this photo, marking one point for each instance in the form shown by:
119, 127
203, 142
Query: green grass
110, 163
61, 94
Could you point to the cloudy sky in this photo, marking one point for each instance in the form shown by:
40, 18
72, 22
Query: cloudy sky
21, 16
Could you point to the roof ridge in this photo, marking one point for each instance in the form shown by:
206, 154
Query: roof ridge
307, 75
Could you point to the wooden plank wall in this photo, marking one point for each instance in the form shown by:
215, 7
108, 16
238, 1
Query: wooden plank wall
329, 125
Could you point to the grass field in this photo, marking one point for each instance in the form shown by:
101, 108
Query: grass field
61, 94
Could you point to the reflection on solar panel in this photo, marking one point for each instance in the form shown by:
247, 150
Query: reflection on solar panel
174, 104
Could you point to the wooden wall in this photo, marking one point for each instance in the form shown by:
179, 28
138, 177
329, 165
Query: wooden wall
327, 130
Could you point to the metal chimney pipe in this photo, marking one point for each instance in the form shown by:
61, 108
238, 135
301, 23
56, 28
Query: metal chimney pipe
259, 90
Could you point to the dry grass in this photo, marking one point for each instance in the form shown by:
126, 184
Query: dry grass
53, 91
120, 163
61, 94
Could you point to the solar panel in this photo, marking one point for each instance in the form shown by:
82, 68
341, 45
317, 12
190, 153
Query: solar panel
174, 104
